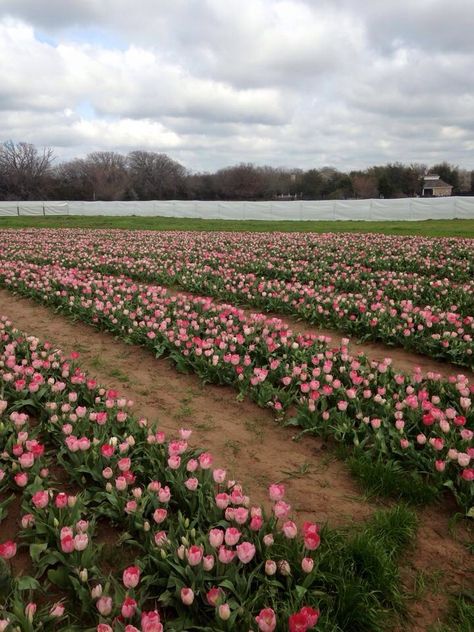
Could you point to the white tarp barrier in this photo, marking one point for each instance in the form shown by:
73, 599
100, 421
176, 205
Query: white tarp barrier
352, 209
440, 208
56, 208
258, 210
378, 210
31, 208
393, 208
8, 209
324, 211
463, 208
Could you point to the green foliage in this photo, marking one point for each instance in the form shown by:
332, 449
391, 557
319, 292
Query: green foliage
427, 228
388, 478
461, 617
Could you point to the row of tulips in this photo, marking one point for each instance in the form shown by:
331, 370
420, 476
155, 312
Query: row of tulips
423, 422
194, 553
343, 284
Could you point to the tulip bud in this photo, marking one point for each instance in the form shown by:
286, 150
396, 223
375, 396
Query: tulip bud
30, 611
187, 596
270, 567
307, 564
284, 568
146, 526
224, 611
56, 523
83, 575
96, 592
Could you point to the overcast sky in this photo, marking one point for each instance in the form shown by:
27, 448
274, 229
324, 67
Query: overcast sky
303, 83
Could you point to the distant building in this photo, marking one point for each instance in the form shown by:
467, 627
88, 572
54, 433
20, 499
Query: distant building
433, 186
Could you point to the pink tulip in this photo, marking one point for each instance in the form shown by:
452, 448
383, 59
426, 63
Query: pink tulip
266, 620
205, 460
67, 543
225, 555
61, 500
104, 605
150, 622
121, 483
290, 529
216, 537
224, 611
159, 515
174, 462
187, 596
219, 476
164, 494
160, 538
8, 550
232, 536
129, 607
241, 515
131, 577
307, 564
81, 541
40, 499
208, 562
194, 555
191, 484
21, 479
276, 492
27, 521
57, 610
281, 509
245, 552
213, 596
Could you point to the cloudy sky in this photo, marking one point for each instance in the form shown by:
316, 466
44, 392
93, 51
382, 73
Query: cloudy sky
300, 83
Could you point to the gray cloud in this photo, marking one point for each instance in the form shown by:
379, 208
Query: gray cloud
288, 82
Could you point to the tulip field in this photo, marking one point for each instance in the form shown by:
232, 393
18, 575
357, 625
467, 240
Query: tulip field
85, 474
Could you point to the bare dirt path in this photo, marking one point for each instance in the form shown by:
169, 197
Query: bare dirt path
254, 449
402, 360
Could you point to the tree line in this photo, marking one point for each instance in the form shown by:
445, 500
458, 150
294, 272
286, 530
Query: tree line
30, 173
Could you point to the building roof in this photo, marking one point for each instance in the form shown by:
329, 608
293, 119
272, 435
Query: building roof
435, 183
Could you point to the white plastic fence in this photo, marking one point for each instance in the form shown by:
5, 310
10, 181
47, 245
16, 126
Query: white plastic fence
400, 209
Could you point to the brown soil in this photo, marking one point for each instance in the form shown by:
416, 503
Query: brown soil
252, 446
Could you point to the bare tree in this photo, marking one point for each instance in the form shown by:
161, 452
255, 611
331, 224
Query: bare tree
107, 172
73, 181
155, 176
364, 186
240, 182
25, 172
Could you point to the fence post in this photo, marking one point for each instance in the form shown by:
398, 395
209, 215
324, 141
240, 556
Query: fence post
18, 210
44, 211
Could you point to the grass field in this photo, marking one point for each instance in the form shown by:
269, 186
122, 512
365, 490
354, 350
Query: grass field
427, 228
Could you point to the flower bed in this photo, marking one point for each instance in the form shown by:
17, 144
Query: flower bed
424, 423
194, 554
411, 292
